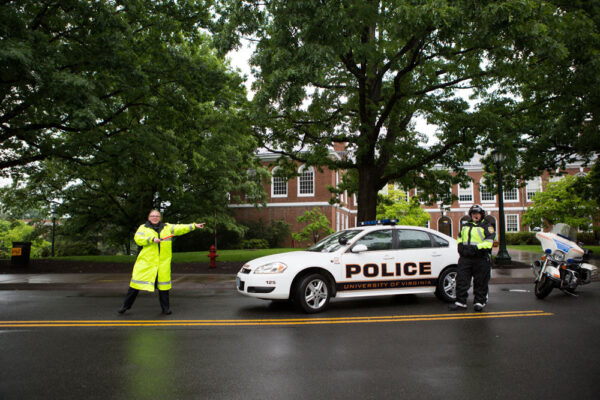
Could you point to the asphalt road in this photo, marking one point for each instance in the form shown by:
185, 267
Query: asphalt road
71, 344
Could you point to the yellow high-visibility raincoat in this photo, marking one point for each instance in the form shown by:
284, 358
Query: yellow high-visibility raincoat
155, 258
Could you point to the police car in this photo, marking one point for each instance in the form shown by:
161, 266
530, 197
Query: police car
377, 258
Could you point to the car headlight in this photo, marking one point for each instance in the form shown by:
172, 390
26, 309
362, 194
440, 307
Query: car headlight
271, 268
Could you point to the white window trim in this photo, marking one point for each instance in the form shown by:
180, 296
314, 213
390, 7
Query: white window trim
506, 222
465, 192
493, 201
273, 195
301, 171
511, 201
538, 180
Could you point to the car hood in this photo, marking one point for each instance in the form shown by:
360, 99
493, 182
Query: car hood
293, 258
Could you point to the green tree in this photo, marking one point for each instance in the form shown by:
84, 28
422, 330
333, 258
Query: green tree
318, 226
110, 109
555, 120
361, 72
19, 231
394, 206
560, 203
76, 74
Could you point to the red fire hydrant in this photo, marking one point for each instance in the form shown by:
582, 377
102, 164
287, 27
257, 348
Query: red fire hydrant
212, 256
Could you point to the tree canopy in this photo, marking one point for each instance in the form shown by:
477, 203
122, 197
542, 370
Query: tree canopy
488, 74
318, 226
111, 108
563, 202
394, 206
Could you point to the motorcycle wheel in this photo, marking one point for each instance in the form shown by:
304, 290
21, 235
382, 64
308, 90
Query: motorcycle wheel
543, 287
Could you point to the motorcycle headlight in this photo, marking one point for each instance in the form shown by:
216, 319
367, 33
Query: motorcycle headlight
558, 256
271, 268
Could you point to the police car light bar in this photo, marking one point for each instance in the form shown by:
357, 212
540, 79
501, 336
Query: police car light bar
379, 222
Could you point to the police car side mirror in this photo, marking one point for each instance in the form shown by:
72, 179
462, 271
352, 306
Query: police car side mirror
359, 248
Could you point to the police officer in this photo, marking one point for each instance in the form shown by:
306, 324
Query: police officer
475, 247
153, 265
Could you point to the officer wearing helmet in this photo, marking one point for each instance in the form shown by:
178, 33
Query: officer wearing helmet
475, 248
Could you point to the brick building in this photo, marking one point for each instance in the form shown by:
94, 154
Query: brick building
447, 218
289, 199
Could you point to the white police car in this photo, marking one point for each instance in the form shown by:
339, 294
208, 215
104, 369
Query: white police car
376, 259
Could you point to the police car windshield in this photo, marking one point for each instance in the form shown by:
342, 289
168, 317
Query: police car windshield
332, 242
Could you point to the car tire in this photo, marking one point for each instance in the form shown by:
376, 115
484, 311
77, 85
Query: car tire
312, 294
446, 285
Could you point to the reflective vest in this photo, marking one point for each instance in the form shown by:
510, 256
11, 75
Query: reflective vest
481, 235
154, 260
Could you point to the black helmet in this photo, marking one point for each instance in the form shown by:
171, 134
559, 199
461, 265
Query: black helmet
477, 209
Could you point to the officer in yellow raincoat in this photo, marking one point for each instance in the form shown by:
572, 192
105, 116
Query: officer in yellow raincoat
475, 248
152, 268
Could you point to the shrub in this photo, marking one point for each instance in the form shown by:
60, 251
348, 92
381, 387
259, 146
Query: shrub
588, 238
254, 244
274, 233
68, 248
521, 238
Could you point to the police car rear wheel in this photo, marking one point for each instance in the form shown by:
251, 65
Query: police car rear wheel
312, 293
446, 286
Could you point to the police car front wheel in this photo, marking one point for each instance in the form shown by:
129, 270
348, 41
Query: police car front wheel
312, 293
446, 287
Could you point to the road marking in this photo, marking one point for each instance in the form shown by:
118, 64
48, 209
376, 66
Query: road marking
274, 321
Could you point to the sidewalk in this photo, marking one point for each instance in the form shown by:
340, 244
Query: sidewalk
202, 281
100, 281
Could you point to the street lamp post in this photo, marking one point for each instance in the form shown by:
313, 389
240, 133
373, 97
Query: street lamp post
502, 257
53, 229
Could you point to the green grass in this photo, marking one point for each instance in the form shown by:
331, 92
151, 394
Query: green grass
537, 248
223, 256
245, 255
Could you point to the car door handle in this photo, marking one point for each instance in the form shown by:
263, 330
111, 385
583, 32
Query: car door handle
388, 258
436, 254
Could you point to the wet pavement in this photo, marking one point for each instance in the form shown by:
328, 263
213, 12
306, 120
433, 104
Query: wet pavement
63, 339
72, 344
120, 281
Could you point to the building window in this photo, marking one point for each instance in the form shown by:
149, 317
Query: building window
486, 197
306, 182
512, 223
465, 194
279, 186
533, 186
511, 195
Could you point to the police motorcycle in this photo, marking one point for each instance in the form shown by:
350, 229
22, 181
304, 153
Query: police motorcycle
563, 266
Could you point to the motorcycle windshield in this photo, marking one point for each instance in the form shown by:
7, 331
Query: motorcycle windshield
566, 231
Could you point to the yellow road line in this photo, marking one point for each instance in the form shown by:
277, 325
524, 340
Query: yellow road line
282, 319
271, 322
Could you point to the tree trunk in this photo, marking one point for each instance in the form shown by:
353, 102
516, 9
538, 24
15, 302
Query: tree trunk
368, 187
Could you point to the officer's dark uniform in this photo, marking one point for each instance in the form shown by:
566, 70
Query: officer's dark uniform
474, 246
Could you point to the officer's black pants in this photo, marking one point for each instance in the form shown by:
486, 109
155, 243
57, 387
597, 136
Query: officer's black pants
478, 269
163, 298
